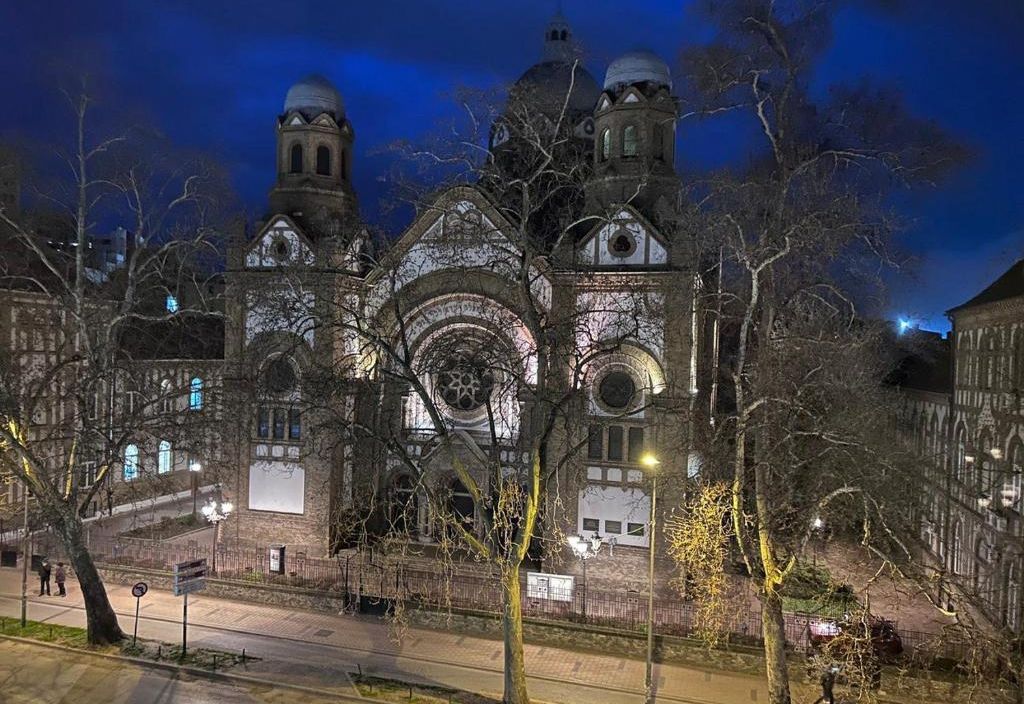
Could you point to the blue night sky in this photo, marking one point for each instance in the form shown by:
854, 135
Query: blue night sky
213, 75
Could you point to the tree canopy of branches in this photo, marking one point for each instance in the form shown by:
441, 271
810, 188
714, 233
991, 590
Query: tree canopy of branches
803, 229
74, 388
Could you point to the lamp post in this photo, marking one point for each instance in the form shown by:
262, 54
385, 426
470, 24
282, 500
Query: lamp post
817, 528
584, 549
215, 512
194, 468
651, 462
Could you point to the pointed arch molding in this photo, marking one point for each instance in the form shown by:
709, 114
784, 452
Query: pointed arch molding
639, 361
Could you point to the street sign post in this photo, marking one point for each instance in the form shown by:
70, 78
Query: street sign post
138, 591
189, 576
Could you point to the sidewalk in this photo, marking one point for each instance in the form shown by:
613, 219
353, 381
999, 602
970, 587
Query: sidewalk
318, 649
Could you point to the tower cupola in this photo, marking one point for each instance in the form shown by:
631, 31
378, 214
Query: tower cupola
314, 158
634, 126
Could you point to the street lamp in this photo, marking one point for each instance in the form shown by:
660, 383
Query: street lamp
818, 528
215, 512
584, 549
651, 463
194, 468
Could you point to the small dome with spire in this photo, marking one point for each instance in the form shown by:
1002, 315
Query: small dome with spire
314, 95
637, 67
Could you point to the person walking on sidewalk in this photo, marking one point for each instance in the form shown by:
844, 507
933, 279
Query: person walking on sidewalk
828, 683
44, 577
60, 576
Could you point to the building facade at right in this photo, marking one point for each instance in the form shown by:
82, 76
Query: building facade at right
965, 417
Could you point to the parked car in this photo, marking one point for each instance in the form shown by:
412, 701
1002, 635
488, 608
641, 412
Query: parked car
885, 640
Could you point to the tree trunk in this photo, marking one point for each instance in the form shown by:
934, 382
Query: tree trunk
773, 630
101, 621
515, 663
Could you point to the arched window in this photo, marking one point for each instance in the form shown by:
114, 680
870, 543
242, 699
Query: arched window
296, 159
606, 143
131, 462
166, 397
323, 161
1012, 497
1012, 617
658, 142
564, 35
554, 34
345, 167
956, 549
163, 458
629, 141
195, 394
985, 464
460, 504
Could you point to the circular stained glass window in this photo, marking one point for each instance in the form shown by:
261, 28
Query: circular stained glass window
616, 389
465, 386
622, 243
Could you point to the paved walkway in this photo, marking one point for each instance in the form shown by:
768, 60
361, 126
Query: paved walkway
318, 649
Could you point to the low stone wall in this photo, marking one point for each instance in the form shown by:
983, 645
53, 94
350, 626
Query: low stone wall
275, 595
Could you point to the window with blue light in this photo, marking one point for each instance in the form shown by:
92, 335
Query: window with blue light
163, 458
172, 304
195, 394
131, 462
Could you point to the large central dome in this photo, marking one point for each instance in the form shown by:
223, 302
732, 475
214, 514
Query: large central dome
314, 95
545, 86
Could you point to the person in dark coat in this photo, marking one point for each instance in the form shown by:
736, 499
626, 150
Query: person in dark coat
828, 683
44, 578
60, 575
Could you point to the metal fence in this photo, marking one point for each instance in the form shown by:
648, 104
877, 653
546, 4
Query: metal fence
367, 582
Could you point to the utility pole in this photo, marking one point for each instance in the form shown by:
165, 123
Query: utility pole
26, 558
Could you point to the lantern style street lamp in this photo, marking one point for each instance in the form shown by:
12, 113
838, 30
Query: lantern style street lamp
194, 468
651, 463
215, 512
584, 549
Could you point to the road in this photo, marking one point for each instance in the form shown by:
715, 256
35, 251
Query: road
32, 674
316, 649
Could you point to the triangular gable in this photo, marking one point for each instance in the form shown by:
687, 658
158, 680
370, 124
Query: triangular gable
632, 95
428, 222
648, 247
325, 120
280, 242
604, 103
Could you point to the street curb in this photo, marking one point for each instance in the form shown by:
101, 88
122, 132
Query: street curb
199, 672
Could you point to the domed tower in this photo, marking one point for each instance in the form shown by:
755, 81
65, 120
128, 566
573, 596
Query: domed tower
559, 79
634, 125
314, 158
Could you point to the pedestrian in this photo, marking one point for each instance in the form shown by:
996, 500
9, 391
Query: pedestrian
828, 683
61, 576
44, 577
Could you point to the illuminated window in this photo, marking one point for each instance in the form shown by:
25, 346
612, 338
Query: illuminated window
171, 304
163, 458
629, 141
166, 397
195, 394
606, 143
323, 161
131, 462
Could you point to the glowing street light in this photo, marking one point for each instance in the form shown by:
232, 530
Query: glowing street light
215, 512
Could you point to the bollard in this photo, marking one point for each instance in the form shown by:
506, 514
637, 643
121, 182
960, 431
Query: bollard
215, 662
243, 656
159, 651
51, 632
410, 692
360, 670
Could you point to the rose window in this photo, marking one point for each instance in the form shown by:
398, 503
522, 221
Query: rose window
465, 386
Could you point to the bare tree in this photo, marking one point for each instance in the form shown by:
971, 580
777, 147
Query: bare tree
803, 229
73, 400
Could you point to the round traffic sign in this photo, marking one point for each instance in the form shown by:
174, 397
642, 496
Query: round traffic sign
139, 589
